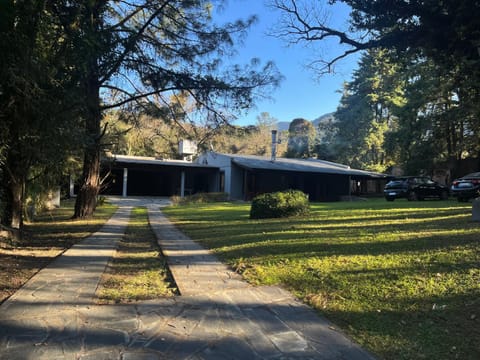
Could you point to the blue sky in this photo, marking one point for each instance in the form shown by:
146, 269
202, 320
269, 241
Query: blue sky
302, 93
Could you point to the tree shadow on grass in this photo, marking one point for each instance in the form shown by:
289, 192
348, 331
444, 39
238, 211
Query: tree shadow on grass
439, 327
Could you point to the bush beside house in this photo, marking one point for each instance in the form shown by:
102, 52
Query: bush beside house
200, 198
280, 204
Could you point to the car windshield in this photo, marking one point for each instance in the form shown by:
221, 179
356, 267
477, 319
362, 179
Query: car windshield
411, 180
396, 182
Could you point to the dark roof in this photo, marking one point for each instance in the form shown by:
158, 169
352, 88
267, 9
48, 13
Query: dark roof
144, 160
300, 165
253, 162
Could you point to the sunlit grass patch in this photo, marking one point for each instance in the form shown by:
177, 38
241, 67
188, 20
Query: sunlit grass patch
402, 278
138, 270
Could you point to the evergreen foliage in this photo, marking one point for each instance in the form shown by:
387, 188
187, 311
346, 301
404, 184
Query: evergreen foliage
367, 112
279, 204
65, 65
410, 113
39, 123
164, 49
425, 54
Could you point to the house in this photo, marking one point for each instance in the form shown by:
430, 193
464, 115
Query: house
245, 176
241, 176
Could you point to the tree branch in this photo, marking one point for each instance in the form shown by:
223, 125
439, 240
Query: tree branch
303, 26
130, 44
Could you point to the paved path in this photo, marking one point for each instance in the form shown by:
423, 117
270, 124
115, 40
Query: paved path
217, 316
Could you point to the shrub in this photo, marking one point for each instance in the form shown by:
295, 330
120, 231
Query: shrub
279, 204
200, 198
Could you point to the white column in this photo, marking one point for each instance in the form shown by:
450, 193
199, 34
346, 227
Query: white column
72, 187
125, 182
182, 185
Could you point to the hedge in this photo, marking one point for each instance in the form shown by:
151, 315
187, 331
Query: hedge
200, 198
280, 204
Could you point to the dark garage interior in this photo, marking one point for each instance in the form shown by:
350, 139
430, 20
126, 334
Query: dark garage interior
159, 179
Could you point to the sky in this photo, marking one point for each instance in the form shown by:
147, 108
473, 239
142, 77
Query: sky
302, 93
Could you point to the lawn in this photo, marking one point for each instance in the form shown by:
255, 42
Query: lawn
138, 270
401, 278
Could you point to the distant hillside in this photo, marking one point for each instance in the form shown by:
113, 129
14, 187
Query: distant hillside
324, 118
283, 125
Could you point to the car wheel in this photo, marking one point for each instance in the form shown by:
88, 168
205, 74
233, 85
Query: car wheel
389, 198
444, 195
412, 196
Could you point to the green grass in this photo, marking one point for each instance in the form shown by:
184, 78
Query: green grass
402, 278
138, 271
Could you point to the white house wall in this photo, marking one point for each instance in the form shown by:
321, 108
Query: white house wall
224, 163
237, 183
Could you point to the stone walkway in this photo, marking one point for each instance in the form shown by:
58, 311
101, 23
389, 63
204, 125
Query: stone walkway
217, 316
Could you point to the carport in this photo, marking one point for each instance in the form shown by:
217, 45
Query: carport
146, 176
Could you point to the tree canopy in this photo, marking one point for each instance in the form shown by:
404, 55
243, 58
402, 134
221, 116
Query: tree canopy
424, 100
144, 53
65, 65
37, 94
446, 31
301, 139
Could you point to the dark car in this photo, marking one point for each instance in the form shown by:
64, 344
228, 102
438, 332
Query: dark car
414, 188
466, 187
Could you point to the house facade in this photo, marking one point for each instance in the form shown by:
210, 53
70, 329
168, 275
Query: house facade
242, 177
245, 176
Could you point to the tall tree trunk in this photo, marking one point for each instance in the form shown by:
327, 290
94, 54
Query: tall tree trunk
5, 200
87, 196
12, 191
86, 201
16, 190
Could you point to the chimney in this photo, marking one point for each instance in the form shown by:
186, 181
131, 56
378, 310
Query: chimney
274, 145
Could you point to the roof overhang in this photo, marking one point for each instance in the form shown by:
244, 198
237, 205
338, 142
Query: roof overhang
303, 166
150, 162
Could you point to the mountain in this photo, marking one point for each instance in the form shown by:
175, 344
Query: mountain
283, 125
323, 119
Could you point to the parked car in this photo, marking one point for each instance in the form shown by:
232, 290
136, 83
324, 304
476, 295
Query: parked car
466, 187
414, 188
